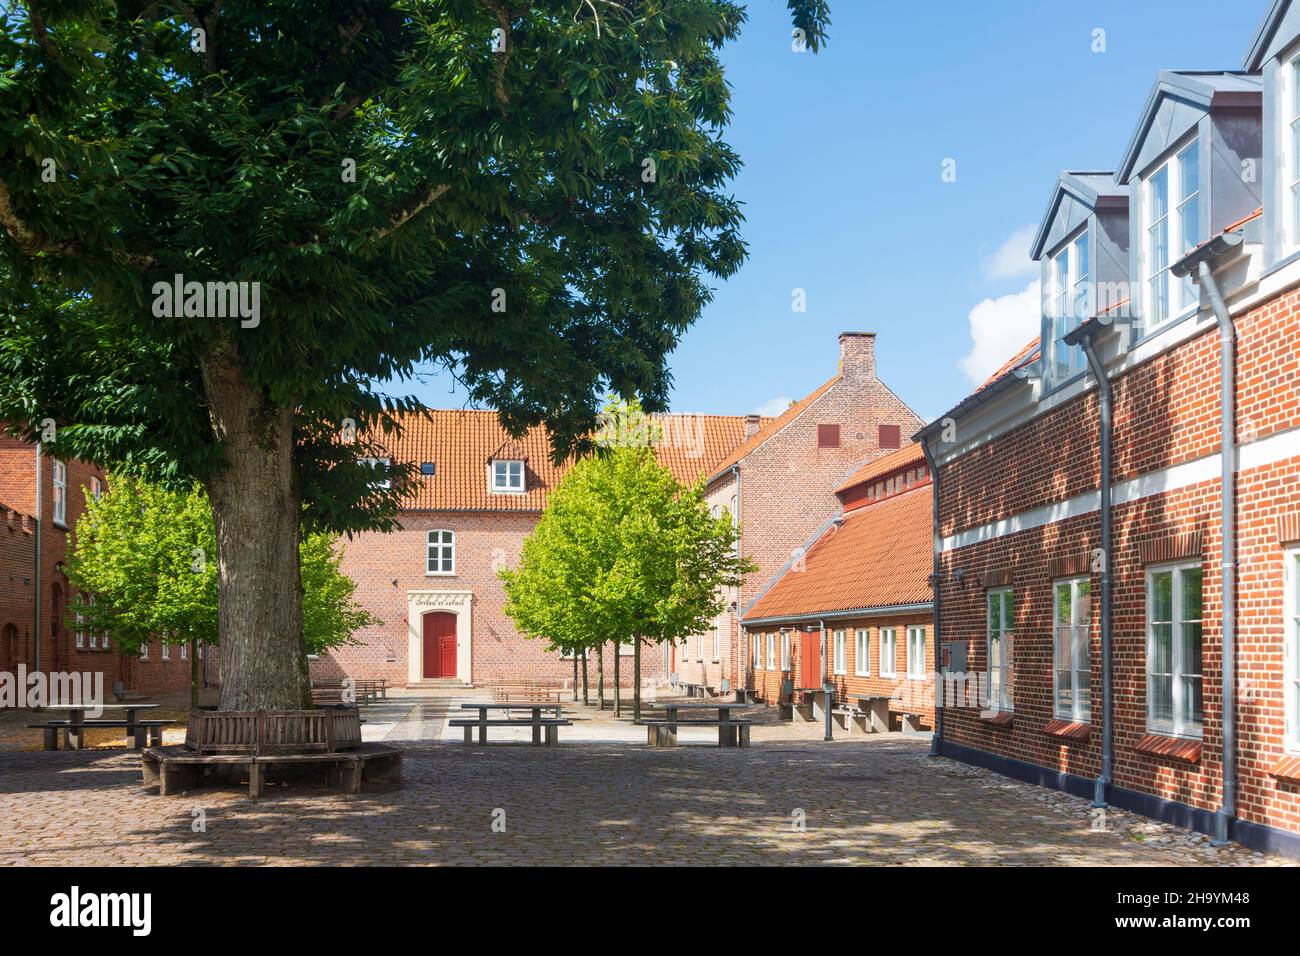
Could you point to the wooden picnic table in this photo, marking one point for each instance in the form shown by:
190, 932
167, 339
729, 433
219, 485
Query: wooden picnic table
726, 733
77, 723
535, 709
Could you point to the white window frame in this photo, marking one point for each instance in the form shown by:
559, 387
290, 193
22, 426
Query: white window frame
442, 545
373, 462
916, 661
185, 651
78, 603
96, 489
59, 472
94, 637
1172, 166
144, 651
1181, 724
1291, 652
1080, 704
771, 651
862, 652
717, 640
785, 651
889, 662
166, 654
509, 486
756, 651
840, 655
1001, 674
1067, 312
1288, 114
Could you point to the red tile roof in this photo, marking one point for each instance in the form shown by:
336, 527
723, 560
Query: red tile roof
879, 556
906, 456
771, 428
1028, 352
460, 443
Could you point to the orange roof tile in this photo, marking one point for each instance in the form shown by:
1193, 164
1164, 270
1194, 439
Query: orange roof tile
459, 443
771, 428
1015, 361
905, 456
879, 556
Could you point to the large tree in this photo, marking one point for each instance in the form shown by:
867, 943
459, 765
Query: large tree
532, 193
146, 554
623, 554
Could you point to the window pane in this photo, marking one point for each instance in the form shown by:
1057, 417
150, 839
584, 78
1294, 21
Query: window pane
1160, 195
1162, 602
1083, 603
1162, 703
1190, 579
1189, 168
1162, 654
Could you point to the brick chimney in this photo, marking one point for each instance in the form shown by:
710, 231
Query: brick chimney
858, 355
752, 423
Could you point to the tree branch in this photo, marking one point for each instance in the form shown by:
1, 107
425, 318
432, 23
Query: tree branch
406, 215
32, 243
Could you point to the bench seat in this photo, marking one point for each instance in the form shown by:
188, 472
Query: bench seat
661, 732
370, 766
551, 725
140, 728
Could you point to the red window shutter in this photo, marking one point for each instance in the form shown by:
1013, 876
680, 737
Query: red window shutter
889, 436
828, 436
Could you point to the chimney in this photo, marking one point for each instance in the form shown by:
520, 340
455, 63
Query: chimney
858, 355
752, 423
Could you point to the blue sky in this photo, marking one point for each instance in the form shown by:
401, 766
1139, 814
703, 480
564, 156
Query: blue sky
843, 195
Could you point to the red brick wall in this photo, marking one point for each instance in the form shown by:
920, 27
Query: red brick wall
485, 541
1167, 413
915, 695
17, 576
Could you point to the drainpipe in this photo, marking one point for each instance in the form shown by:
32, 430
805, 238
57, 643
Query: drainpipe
1228, 513
936, 739
1197, 264
735, 473
39, 551
1106, 400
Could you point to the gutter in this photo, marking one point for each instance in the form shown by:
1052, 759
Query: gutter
881, 611
1084, 336
1198, 264
936, 740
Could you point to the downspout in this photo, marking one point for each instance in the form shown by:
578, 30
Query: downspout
1228, 513
1201, 259
39, 551
1105, 396
735, 472
936, 740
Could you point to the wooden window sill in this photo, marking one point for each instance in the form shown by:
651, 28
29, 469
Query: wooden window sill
1288, 769
1071, 730
1174, 748
997, 718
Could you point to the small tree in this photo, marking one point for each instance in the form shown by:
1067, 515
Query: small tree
623, 554
147, 553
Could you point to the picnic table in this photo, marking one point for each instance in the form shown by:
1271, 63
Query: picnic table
76, 724
535, 719
731, 732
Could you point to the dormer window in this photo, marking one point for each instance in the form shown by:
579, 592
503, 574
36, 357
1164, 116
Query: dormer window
1071, 277
1171, 227
381, 466
1291, 146
508, 476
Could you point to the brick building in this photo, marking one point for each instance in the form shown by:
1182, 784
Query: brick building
64, 489
1146, 615
780, 484
855, 610
433, 582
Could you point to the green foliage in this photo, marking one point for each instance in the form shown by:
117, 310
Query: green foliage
147, 553
623, 553
521, 170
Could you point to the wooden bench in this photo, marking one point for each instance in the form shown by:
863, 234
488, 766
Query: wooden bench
176, 769
663, 733
525, 692
550, 724
136, 728
363, 691
121, 692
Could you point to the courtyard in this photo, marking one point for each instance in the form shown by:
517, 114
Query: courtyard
601, 798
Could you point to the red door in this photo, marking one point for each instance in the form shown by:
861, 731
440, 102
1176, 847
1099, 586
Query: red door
439, 644
810, 660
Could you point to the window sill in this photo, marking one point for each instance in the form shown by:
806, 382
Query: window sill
439, 574
1174, 748
1288, 768
1003, 719
1075, 731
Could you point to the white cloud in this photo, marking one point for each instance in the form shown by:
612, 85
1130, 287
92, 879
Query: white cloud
999, 328
774, 406
1011, 259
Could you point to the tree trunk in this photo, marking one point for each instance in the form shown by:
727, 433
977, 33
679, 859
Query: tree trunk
600, 675
194, 672
636, 682
256, 508
618, 698
585, 699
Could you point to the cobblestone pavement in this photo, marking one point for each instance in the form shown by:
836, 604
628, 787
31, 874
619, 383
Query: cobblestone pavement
876, 800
